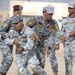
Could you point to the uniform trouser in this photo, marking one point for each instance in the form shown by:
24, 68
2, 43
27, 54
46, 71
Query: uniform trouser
68, 55
35, 66
7, 57
41, 58
53, 60
22, 64
11, 47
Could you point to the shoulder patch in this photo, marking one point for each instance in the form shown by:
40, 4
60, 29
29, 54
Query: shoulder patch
31, 22
5, 25
39, 26
56, 26
52, 28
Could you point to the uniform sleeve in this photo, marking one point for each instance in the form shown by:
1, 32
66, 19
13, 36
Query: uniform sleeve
58, 34
57, 37
29, 31
3, 33
10, 38
35, 27
7, 24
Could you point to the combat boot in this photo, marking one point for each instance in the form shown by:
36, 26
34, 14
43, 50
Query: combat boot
55, 73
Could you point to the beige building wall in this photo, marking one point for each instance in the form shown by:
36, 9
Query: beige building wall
3, 16
35, 8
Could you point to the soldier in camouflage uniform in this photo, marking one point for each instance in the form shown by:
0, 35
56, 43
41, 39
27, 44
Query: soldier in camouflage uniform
20, 35
46, 28
52, 34
68, 38
36, 56
7, 56
17, 10
37, 61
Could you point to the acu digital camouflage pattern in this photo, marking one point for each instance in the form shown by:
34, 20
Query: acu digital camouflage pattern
68, 25
7, 57
26, 42
46, 32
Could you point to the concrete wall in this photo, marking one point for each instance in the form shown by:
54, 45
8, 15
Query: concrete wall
35, 8
3, 16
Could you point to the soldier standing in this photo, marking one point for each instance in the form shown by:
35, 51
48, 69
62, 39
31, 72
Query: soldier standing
68, 38
52, 33
47, 29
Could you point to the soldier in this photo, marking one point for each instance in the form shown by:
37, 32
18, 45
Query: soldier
36, 56
20, 35
37, 61
7, 56
47, 29
68, 38
52, 33
17, 10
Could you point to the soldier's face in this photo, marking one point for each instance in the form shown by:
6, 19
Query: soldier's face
47, 16
16, 13
71, 11
18, 26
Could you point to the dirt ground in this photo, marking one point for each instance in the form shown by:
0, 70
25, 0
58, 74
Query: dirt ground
61, 65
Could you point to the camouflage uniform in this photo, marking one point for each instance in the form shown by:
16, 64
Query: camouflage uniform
25, 41
53, 38
7, 56
51, 42
37, 61
48, 38
46, 32
68, 25
7, 24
